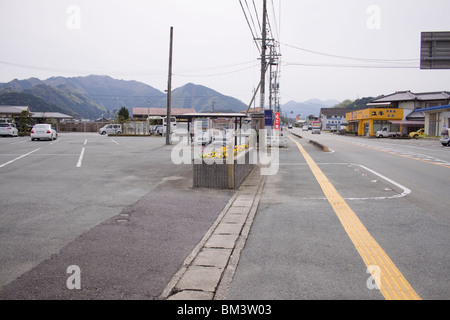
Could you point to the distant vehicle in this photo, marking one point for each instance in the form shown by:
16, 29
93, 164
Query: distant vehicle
315, 130
416, 134
445, 137
173, 125
8, 129
305, 128
43, 131
385, 133
290, 126
111, 129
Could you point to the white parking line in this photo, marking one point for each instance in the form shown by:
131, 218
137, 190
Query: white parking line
80, 159
20, 157
85, 142
115, 141
12, 143
404, 193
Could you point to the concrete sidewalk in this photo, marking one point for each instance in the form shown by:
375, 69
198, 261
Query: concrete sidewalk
207, 272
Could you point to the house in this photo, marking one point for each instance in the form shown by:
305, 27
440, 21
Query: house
13, 112
8, 112
402, 111
333, 118
436, 118
419, 110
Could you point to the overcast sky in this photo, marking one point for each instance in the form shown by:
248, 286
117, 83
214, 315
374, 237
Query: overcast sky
213, 44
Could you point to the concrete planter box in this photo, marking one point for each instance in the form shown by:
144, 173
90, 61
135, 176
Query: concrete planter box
223, 173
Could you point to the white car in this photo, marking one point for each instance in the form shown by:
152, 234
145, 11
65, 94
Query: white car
8, 129
111, 129
43, 131
445, 137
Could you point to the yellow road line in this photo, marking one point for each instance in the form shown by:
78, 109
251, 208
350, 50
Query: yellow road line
391, 282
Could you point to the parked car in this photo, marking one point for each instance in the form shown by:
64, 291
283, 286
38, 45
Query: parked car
290, 126
111, 129
445, 137
315, 130
305, 128
8, 129
417, 134
386, 133
43, 131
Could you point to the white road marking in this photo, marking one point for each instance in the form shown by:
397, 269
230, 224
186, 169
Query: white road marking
404, 193
114, 141
12, 143
20, 157
80, 160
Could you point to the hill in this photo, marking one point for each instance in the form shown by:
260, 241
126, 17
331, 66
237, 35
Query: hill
94, 95
111, 93
36, 104
204, 99
306, 108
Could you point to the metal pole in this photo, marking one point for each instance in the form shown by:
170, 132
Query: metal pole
263, 56
169, 90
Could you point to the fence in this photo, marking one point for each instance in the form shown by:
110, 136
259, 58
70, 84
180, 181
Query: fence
81, 127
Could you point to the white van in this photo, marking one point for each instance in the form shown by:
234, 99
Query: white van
111, 129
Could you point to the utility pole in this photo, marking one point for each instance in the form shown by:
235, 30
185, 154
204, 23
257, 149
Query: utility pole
169, 91
263, 55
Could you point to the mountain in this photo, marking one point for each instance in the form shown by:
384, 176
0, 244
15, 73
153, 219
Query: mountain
36, 104
204, 99
68, 99
306, 108
93, 96
111, 93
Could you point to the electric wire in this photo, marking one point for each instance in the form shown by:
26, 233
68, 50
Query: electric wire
250, 27
350, 58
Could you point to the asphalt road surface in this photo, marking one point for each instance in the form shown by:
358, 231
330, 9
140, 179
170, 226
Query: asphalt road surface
299, 249
117, 208
127, 217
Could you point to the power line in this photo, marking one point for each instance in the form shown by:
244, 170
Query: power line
351, 58
257, 16
215, 74
348, 66
250, 27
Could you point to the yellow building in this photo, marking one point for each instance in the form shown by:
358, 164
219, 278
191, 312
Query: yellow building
368, 121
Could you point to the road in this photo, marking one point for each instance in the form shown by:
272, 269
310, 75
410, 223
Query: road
115, 206
301, 247
128, 217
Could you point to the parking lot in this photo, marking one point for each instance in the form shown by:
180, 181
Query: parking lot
54, 191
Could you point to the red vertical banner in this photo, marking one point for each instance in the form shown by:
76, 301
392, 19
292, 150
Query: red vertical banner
276, 123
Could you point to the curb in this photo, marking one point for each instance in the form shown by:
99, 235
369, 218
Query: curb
317, 144
208, 270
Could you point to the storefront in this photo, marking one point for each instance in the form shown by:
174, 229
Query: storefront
368, 121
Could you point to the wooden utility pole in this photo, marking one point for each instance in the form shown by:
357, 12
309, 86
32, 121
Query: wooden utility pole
169, 91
